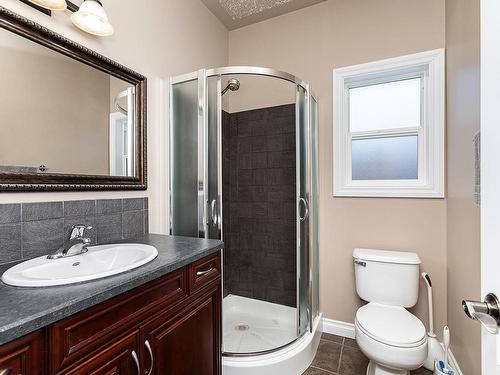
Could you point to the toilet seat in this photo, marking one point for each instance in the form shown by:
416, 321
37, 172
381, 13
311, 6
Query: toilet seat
391, 325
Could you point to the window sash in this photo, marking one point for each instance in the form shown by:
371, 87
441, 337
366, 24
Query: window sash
422, 75
420, 154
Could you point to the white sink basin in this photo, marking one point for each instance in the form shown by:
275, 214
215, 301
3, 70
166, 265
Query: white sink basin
100, 261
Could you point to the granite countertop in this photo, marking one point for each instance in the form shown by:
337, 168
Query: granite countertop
25, 310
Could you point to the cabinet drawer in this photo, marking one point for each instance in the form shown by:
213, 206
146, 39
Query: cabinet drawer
75, 338
119, 358
24, 356
204, 271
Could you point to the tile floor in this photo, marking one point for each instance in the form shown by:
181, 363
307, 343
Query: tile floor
341, 356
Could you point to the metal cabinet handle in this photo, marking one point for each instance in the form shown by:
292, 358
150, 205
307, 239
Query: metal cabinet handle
136, 362
306, 209
6, 371
204, 272
151, 358
213, 208
487, 312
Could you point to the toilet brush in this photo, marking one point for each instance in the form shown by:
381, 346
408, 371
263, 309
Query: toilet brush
434, 348
446, 343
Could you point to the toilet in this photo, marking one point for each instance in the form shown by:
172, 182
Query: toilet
393, 339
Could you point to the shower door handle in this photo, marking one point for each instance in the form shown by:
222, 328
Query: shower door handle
306, 209
213, 214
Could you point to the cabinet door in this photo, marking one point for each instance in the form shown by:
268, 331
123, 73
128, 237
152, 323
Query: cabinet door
186, 341
120, 358
23, 356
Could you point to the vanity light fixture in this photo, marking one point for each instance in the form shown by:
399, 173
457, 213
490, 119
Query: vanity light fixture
92, 18
51, 4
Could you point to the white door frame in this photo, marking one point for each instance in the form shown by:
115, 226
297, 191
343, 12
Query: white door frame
490, 172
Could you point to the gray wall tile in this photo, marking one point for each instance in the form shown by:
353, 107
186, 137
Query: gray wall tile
146, 221
42, 237
109, 206
10, 242
79, 208
34, 229
133, 224
133, 204
42, 211
10, 213
109, 228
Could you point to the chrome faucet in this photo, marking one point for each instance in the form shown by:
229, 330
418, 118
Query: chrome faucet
76, 244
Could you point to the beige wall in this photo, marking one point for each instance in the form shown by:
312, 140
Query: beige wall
259, 92
55, 112
463, 106
310, 43
159, 38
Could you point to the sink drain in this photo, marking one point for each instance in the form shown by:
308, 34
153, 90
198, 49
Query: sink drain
241, 327
76, 264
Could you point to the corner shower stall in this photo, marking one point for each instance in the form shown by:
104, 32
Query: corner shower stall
243, 169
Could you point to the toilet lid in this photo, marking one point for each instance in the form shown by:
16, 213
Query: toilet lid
392, 325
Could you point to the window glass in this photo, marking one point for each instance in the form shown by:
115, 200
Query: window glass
389, 158
383, 106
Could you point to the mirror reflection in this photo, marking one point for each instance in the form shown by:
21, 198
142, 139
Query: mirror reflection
61, 116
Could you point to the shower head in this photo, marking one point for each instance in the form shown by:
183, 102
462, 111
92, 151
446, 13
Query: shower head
233, 85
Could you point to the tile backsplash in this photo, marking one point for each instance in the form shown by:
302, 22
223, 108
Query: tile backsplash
28, 230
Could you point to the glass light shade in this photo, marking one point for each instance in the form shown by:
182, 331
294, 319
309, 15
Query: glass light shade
92, 19
51, 4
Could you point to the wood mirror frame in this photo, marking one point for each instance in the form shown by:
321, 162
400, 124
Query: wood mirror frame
76, 182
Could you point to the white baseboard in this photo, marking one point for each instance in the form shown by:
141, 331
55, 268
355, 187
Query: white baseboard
344, 329
336, 327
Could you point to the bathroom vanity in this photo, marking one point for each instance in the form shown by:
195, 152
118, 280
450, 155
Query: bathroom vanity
161, 318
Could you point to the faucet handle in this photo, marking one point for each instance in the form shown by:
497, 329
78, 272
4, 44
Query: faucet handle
82, 226
77, 231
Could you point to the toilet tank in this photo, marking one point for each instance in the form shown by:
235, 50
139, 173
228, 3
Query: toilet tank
387, 277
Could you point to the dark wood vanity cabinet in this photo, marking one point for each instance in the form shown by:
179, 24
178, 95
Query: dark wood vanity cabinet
187, 341
171, 325
24, 356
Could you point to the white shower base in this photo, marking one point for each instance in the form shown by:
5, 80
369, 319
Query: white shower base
254, 326
251, 325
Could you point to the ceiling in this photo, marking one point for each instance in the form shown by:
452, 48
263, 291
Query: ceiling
238, 13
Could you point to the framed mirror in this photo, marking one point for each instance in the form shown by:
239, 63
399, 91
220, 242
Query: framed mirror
70, 119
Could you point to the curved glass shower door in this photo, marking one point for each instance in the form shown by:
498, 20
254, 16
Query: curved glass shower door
241, 161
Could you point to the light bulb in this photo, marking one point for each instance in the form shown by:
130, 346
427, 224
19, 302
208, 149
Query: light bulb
92, 19
51, 4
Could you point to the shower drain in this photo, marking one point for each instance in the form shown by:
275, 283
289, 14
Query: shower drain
241, 327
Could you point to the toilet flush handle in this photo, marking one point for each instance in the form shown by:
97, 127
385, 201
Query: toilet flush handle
359, 263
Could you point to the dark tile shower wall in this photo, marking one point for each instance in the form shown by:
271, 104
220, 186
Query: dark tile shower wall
29, 230
259, 204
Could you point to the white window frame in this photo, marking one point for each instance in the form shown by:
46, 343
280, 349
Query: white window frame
431, 147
